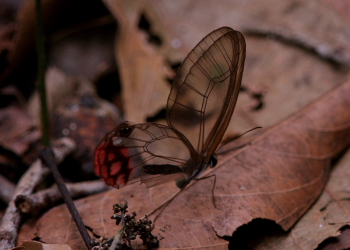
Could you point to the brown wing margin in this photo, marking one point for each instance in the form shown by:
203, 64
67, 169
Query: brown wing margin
205, 90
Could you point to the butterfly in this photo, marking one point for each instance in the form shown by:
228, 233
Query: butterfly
199, 108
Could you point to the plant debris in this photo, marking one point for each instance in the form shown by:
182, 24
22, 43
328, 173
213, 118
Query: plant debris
130, 230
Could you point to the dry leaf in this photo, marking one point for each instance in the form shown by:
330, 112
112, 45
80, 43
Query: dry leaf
18, 133
278, 176
289, 83
34, 245
294, 18
283, 74
57, 14
325, 218
58, 86
341, 7
75, 117
340, 242
143, 72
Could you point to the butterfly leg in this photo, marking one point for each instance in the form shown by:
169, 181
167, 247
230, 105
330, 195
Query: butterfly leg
164, 205
167, 202
212, 190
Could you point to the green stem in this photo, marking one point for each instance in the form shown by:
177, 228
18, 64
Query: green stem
40, 45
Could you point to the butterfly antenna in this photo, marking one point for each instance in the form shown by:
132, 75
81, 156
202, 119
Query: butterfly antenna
238, 137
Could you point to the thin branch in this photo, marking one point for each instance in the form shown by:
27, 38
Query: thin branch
12, 217
47, 198
34, 175
47, 157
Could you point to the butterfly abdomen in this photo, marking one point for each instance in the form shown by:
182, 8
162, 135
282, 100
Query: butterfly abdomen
161, 169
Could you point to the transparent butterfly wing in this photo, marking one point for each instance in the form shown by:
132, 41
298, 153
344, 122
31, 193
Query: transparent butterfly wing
205, 90
151, 153
199, 109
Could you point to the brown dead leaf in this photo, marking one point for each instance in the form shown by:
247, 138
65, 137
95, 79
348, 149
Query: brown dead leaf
34, 245
6, 33
325, 218
278, 176
341, 7
295, 18
75, 116
281, 73
18, 133
340, 242
143, 71
263, 184
58, 87
57, 15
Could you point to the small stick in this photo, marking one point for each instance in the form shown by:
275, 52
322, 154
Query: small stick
12, 217
46, 155
30, 179
51, 196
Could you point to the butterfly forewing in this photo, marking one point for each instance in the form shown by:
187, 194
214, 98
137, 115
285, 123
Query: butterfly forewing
199, 108
205, 90
151, 153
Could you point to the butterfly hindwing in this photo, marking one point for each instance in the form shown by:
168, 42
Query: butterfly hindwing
150, 153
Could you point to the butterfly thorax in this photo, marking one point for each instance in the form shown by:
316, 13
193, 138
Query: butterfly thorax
194, 170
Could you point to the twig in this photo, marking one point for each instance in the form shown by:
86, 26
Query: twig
47, 156
7, 188
120, 207
49, 197
116, 238
12, 216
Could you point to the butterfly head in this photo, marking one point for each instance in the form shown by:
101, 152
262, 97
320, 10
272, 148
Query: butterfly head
124, 129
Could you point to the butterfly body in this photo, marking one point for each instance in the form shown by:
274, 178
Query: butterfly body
199, 109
